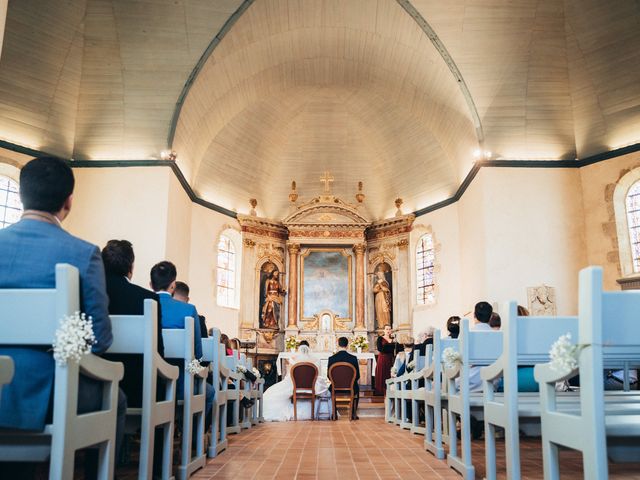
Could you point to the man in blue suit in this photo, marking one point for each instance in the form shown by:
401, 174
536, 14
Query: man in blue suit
30, 250
163, 282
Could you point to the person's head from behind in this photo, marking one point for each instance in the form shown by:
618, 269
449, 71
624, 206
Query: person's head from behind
495, 321
118, 258
482, 312
46, 185
343, 343
407, 343
163, 277
522, 311
453, 326
181, 292
303, 343
224, 339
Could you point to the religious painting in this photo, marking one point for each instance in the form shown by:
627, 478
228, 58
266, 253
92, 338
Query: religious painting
326, 282
383, 295
542, 301
271, 296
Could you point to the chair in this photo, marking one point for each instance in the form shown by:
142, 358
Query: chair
6, 371
178, 345
34, 315
342, 376
138, 334
303, 376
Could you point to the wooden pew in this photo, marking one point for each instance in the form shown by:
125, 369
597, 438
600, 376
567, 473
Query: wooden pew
233, 394
390, 410
436, 396
477, 348
6, 372
245, 391
215, 353
526, 342
609, 333
257, 393
179, 345
138, 334
34, 315
417, 393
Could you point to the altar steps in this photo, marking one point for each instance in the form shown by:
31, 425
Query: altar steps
370, 405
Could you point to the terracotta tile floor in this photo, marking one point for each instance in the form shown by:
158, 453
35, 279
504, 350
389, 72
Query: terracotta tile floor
366, 449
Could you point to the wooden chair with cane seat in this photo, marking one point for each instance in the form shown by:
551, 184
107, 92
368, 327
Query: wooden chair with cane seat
342, 376
303, 376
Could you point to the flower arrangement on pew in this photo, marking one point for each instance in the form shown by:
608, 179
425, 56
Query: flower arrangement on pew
450, 357
359, 344
256, 372
73, 338
249, 375
291, 343
564, 354
394, 372
194, 367
411, 365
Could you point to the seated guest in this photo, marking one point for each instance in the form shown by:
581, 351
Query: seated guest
453, 326
224, 339
495, 321
481, 317
181, 293
235, 344
424, 338
126, 298
404, 358
343, 356
30, 250
163, 282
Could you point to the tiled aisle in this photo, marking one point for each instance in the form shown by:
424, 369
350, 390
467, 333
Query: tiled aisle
366, 449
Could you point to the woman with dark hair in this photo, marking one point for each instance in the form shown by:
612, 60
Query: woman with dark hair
453, 326
224, 339
386, 346
235, 345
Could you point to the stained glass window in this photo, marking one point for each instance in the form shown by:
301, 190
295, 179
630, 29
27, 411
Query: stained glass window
633, 221
425, 258
226, 272
10, 204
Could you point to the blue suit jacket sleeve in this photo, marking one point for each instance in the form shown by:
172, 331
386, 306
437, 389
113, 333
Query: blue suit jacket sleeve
197, 337
95, 302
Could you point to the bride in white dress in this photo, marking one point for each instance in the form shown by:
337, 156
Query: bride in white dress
278, 406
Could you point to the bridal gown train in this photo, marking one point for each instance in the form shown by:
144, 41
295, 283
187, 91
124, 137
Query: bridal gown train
278, 406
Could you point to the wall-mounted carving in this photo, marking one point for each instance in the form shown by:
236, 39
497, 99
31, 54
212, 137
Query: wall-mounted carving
271, 251
542, 301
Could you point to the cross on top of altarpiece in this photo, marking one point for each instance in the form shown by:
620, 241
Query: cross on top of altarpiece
327, 178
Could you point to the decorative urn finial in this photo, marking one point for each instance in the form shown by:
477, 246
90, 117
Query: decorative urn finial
399, 203
293, 195
254, 203
360, 195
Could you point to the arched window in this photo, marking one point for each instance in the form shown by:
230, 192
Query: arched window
633, 223
425, 258
226, 277
10, 204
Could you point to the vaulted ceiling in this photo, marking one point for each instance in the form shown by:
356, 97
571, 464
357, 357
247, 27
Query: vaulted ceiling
253, 94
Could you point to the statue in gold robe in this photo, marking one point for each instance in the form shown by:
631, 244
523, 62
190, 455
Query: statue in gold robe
382, 297
273, 301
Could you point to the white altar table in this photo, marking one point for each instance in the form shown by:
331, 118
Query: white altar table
365, 359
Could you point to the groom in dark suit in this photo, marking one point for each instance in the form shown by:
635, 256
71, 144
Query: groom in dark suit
343, 356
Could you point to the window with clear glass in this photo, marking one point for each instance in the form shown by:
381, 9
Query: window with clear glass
633, 222
425, 258
10, 204
226, 272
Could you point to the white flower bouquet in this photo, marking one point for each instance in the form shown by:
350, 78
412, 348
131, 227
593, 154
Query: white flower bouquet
241, 369
359, 342
564, 354
411, 365
256, 372
450, 357
394, 372
194, 367
73, 339
291, 343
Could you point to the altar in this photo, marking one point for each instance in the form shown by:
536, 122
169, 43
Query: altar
366, 360
324, 271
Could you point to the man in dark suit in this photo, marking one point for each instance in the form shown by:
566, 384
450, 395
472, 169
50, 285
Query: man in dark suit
343, 356
126, 298
181, 293
30, 250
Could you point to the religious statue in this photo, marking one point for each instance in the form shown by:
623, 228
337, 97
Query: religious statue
272, 301
382, 296
542, 301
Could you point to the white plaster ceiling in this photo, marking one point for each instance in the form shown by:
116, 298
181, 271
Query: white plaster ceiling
299, 86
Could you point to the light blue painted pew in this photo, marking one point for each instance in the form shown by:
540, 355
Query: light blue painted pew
609, 330
213, 351
6, 371
416, 396
233, 394
138, 334
477, 348
178, 345
526, 342
436, 396
34, 316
